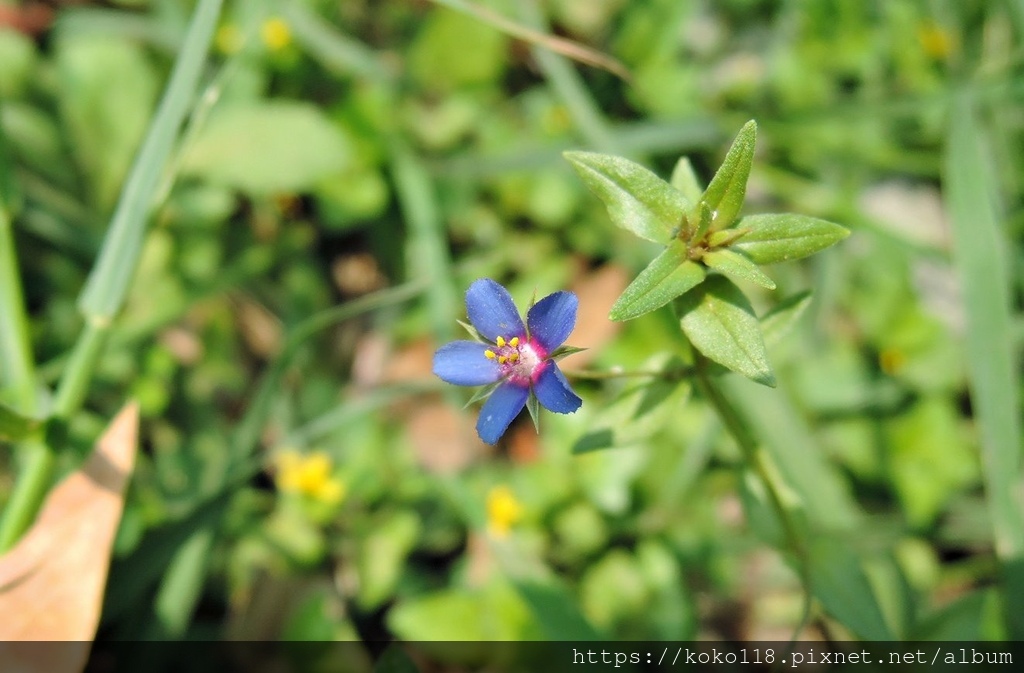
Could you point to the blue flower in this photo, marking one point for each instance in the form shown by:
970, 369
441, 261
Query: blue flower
517, 357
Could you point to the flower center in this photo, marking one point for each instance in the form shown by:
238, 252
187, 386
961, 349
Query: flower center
518, 359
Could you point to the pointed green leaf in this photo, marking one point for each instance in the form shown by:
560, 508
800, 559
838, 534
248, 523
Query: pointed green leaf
724, 238
704, 220
725, 193
298, 146
839, 581
719, 322
14, 426
783, 237
472, 331
737, 266
669, 275
685, 179
780, 320
565, 351
984, 256
533, 406
482, 393
637, 199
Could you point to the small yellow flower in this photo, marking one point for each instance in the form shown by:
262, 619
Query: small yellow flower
503, 510
276, 34
310, 475
892, 360
936, 41
229, 39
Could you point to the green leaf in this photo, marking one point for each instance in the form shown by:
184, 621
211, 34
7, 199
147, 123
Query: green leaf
777, 322
637, 199
107, 89
446, 615
704, 220
111, 276
635, 415
725, 193
981, 254
929, 458
669, 275
268, 148
382, 555
782, 237
839, 581
719, 322
14, 426
555, 609
737, 266
685, 179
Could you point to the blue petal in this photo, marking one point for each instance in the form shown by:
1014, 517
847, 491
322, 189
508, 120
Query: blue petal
492, 311
553, 391
464, 364
552, 318
501, 407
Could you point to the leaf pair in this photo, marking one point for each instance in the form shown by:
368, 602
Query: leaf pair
701, 232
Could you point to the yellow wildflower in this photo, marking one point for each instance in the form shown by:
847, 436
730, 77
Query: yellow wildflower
936, 41
229, 39
276, 34
310, 475
892, 360
503, 510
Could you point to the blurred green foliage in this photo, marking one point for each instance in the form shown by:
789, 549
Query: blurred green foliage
339, 148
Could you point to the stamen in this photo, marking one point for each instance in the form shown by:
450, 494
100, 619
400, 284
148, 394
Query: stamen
502, 359
500, 341
489, 354
514, 342
513, 357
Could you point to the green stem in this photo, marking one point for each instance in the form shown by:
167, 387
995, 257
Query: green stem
29, 490
41, 460
74, 384
757, 460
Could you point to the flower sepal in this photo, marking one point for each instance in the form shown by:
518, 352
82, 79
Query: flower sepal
533, 406
563, 351
472, 332
482, 393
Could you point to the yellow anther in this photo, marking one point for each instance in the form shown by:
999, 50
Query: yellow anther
502, 359
489, 354
500, 341
514, 342
513, 357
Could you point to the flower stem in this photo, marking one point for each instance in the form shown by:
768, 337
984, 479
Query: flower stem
41, 459
758, 461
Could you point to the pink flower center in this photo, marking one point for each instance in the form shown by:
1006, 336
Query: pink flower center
520, 360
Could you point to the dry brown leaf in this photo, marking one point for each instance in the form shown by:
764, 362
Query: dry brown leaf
260, 329
52, 581
443, 439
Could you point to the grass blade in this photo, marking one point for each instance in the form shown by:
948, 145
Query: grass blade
568, 85
17, 365
556, 44
979, 254
109, 280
